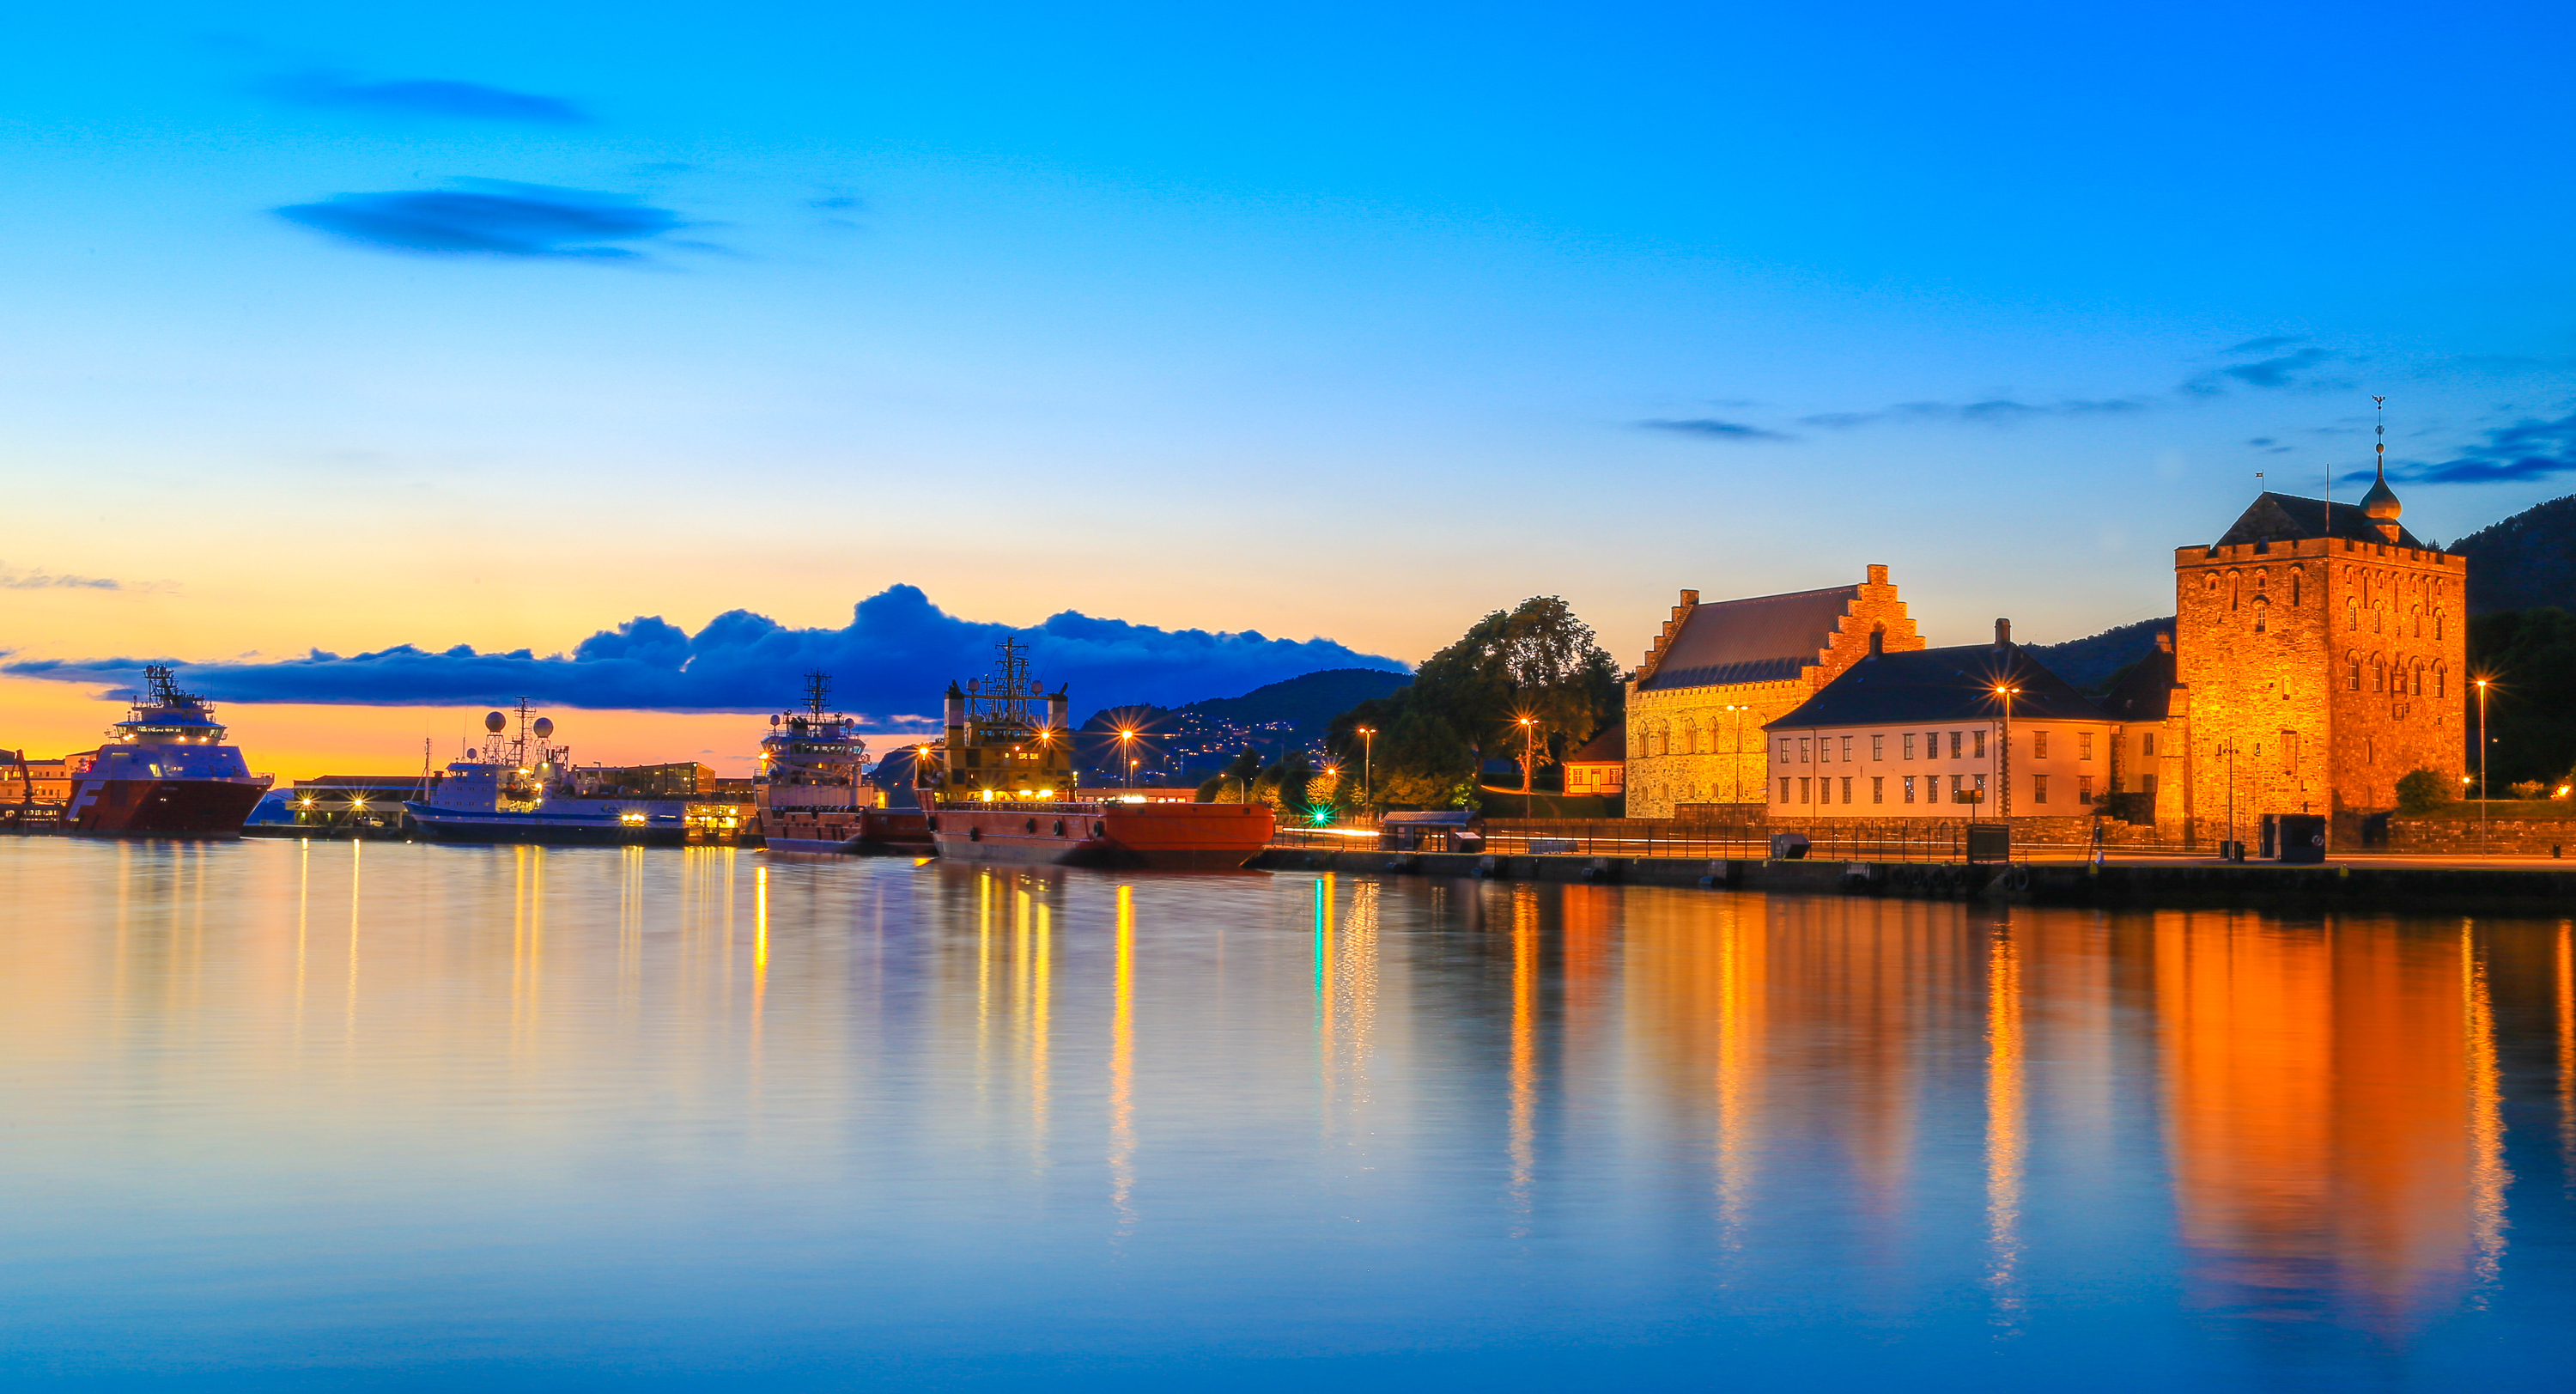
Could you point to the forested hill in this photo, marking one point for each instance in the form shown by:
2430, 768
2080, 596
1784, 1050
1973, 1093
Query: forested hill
2091, 662
2526, 561
1309, 703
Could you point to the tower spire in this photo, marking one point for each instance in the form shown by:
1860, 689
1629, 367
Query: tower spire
2380, 504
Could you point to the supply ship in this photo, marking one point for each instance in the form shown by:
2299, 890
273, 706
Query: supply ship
518, 788
812, 793
167, 773
1000, 787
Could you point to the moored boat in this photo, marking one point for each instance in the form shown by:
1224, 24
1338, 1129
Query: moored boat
999, 786
518, 788
812, 794
167, 773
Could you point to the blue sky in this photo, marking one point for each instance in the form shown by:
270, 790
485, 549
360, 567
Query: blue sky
348, 330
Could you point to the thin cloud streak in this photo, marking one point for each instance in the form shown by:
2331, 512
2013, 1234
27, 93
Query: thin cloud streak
489, 217
446, 97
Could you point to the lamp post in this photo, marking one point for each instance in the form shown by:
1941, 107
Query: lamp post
1368, 753
1529, 764
1735, 757
1126, 751
2003, 752
2229, 846
2482, 767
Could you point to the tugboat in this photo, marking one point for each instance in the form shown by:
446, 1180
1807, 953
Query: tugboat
1000, 788
811, 794
520, 789
167, 773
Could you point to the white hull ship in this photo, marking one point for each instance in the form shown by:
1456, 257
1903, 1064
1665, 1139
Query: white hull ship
517, 788
812, 793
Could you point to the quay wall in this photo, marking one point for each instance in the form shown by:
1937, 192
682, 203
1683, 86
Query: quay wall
2524, 890
2519, 837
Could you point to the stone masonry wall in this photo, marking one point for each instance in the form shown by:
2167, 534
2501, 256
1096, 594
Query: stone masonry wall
1686, 746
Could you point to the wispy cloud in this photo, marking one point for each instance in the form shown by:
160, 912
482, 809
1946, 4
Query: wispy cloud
2527, 450
1992, 411
2270, 446
2265, 367
892, 658
1709, 429
16, 579
446, 97
490, 217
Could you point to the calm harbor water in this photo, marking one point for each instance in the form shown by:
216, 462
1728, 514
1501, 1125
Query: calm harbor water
312, 1116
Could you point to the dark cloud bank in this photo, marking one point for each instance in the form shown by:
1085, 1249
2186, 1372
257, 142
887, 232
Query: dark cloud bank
489, 217
890, 664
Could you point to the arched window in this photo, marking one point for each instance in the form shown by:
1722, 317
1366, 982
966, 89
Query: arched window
2441, 680
2437, 624
2352, 615
2296, 575
2378, 676
2262, 612
2352, 672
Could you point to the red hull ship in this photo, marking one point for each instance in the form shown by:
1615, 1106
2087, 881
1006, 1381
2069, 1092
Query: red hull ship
168, 773
999, 788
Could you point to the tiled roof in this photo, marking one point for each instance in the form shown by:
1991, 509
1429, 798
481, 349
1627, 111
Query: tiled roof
1955, 684
1608, 748
2145, 693
1764, 639
2288, 518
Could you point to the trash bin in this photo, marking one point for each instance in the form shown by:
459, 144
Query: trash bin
2299, 837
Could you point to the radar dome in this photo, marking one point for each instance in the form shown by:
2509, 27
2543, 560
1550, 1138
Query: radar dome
545, 727
494, 721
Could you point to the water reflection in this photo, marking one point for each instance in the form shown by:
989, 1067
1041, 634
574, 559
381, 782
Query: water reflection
2333, 1102
1383, 1114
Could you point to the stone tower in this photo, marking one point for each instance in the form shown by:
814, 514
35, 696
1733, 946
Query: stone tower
2320, 654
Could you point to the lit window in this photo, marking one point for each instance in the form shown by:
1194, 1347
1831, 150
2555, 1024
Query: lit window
2039, 788
1802, 754
1909, 748
1847, 751
2039, 745
1956, 737
1980, 751
1909, 780
2083, 745
1878, 788
1878, 747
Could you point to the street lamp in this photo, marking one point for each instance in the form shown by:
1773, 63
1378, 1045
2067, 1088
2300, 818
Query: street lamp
2003, 751
1529, 763
1126, 748
2483, 793
1368, 761
2229, 846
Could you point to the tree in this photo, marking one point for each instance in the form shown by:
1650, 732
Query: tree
1466, 702
1242, 775
2422, 791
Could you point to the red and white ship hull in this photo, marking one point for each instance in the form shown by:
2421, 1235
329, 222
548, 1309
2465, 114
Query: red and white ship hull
1160, 836
162, 807
860, 831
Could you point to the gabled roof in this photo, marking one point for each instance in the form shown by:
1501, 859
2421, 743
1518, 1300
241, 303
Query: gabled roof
1765, 639
1608, 748
1933, 685
2145, 692
2289, 518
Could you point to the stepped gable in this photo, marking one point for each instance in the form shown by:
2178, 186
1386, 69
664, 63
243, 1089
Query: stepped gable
2289, 518
1765, 639
1952, 684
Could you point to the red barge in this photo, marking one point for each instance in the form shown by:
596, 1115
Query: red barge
999, 787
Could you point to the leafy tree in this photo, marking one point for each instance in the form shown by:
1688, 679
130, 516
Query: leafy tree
2422, 791
1241, 777
1466, 704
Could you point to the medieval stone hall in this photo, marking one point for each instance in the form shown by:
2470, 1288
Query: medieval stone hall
2319, 654
1719, 671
